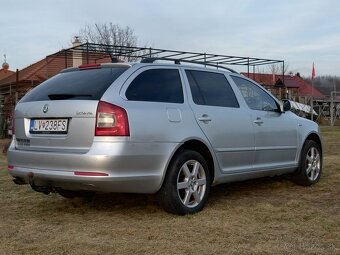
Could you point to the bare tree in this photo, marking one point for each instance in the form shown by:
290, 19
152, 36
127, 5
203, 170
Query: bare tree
278, 69
325, 83
109, 34
122, 38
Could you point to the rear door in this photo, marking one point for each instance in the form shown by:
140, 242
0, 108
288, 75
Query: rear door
154, 100
60, 114
226, 125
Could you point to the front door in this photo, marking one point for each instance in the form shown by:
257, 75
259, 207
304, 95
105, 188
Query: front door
275, 133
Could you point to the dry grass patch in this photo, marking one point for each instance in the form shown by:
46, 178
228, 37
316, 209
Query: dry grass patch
264, 216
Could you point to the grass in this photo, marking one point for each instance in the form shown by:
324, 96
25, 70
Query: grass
264, 216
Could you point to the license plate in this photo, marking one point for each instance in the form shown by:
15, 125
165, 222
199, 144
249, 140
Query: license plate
48, 126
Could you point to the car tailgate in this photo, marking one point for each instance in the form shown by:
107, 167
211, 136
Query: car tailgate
36, 125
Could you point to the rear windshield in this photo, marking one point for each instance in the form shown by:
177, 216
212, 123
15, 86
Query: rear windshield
79, 85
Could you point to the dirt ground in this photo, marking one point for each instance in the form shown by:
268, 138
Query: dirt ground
263, 216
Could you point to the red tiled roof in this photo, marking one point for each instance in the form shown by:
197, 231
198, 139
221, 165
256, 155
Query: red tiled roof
271, 79
305, 89
35, 72
4, 73
44, 69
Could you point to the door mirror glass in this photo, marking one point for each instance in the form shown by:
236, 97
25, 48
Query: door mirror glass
286, 105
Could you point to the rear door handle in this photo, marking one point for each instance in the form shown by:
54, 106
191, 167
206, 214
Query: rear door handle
204, 118
258, 121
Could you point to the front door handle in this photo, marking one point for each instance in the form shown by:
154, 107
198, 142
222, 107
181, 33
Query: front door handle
204, 118
258, 121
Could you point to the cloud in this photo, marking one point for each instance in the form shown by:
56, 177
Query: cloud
295, 31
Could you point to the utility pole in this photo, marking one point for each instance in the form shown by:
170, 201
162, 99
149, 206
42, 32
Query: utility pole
312, 98
311, 102
331, 108
334, 107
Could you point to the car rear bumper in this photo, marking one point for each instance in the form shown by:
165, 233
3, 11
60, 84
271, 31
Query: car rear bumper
123, 166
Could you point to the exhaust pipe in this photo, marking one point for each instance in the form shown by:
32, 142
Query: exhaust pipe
43, 189
19, 181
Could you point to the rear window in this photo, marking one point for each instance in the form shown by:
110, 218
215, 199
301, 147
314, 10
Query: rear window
80, 85
212, 89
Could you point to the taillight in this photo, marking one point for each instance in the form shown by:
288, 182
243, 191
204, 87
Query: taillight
111, 120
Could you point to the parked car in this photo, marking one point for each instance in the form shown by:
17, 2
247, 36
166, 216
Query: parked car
169, 129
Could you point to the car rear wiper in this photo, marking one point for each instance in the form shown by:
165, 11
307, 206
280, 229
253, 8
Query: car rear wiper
66, 96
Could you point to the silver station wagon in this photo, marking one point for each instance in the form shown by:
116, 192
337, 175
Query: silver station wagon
160, 128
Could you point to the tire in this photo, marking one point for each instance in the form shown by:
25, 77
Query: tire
186, 186
310, 166
74, 193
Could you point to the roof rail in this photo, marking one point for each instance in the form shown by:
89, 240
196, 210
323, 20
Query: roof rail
151, 60
178, 61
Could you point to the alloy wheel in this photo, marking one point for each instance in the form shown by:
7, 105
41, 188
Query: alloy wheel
191, 183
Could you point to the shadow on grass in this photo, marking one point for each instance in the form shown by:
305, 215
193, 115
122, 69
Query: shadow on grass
120, 203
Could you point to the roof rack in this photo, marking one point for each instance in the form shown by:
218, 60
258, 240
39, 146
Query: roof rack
97, 53
178, 61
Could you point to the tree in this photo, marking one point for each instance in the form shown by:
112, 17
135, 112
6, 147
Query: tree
278, 69
113, 35
325, 83
109, 34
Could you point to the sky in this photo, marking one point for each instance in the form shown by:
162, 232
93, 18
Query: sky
298, 32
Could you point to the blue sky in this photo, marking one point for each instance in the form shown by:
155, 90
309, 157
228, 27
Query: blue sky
298, 32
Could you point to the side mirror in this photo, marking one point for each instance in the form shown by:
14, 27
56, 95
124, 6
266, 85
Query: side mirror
286, 105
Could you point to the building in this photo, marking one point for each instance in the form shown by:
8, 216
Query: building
14, 85
4, 73
291, 87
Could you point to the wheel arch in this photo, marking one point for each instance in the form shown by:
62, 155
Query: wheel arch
200, 147
301, 176
313, 137
169, 196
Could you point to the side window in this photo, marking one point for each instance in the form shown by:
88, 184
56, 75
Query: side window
209, 88
156, 85
255, 97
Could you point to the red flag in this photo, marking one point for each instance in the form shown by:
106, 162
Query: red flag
313, 72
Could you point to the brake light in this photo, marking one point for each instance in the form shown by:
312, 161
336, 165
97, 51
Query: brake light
90, 66
10, 167
111, 120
